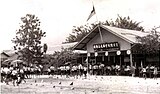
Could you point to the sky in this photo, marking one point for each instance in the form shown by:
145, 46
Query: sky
59, 16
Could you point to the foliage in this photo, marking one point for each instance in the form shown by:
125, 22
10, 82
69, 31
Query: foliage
45, 47
78, 32
150, 43
64, 56
125, 23
28, 38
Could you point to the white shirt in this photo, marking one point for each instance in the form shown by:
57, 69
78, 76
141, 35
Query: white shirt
144, 69
6, 70
14, 72
21, 71
52, 68
85, 69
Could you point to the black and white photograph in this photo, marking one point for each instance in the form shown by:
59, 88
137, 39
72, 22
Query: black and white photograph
80, 47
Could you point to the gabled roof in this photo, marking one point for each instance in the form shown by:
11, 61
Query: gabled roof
3, 55
9, 52
126, 34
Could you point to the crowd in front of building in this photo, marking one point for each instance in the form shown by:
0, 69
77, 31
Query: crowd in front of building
19, 73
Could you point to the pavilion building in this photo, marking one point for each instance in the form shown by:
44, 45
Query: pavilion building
114, 46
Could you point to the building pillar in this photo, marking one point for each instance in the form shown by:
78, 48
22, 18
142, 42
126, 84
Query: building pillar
82, 59
96, 54
114, 60
109, 61
88, 55
120, 60
159, 57
95, 60
103, 58
130, 57
131, 63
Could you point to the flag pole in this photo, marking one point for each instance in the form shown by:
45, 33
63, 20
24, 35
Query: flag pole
92, 13
98, 25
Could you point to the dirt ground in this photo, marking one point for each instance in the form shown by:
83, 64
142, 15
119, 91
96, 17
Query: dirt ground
91, 85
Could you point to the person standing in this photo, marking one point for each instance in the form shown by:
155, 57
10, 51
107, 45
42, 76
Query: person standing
85, 72
2, 73
132, 69
144, 73
14, 75
155, 72
52, 68
7, 73
21, 76
48, 71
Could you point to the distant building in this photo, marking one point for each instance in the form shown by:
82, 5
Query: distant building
4, 56
8, 55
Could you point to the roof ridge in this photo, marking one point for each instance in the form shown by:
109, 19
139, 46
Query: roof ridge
123, 33
122, 28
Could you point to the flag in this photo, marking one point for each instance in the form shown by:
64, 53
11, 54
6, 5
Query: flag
92, 13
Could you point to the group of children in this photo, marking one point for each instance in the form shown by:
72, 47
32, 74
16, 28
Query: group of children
74, 71
17, 74
151, 69
14, 74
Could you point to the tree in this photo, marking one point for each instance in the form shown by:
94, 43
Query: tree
45, 47
149, 46
78, 33
28, 38
121, 22
63, 56
151, 43
125, 23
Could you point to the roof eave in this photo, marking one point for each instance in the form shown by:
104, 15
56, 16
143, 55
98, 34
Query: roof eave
84, 38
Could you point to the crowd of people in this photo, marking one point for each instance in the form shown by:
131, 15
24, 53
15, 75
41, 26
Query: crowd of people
19, 73
101, 69
14, 74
